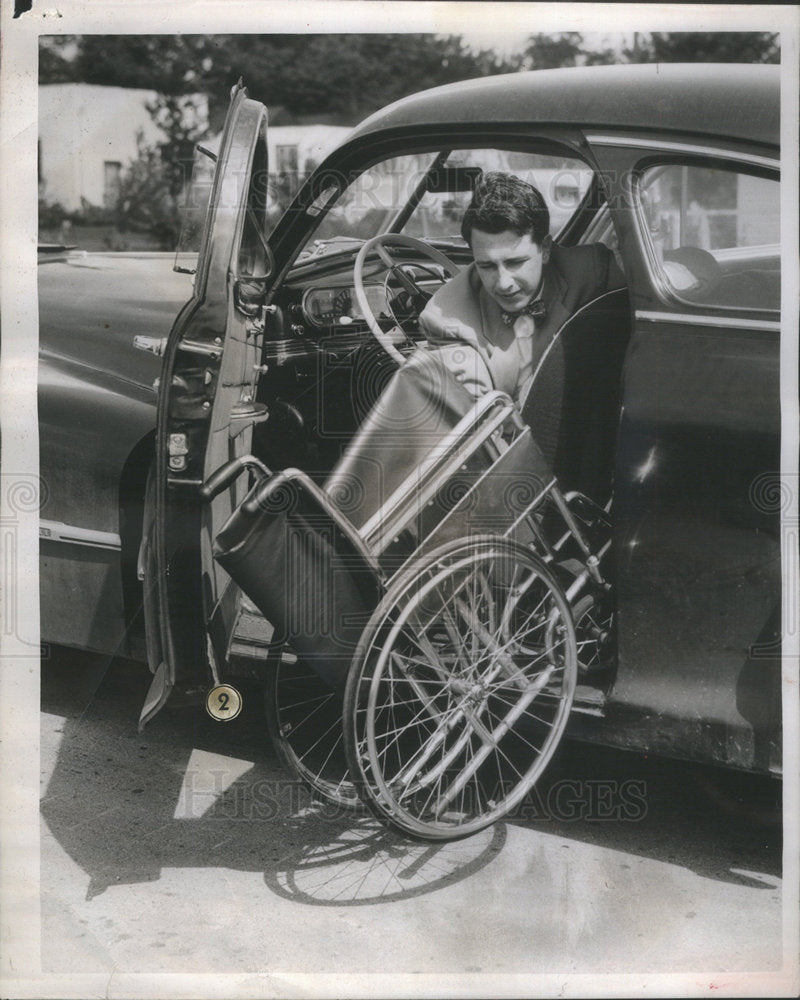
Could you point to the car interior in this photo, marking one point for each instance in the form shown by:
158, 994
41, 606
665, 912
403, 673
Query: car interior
323, 370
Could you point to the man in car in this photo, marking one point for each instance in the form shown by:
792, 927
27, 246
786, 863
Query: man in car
518, 292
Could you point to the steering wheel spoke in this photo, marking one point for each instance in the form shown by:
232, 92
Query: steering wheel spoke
385, 257
379, 246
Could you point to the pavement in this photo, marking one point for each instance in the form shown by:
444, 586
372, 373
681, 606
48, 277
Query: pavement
186, 849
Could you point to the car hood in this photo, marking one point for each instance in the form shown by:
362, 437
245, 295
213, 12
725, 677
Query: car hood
91, 306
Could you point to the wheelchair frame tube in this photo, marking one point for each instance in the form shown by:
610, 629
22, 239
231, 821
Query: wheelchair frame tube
461, 443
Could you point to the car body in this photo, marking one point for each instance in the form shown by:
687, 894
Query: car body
675, 168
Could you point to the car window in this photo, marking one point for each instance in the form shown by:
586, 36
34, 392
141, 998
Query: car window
372, 199
194, 210
376, 198
562, 181
712, 234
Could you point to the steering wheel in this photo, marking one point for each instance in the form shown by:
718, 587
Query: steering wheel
379, 245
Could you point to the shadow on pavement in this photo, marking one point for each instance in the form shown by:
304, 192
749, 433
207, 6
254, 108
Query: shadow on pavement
189, 792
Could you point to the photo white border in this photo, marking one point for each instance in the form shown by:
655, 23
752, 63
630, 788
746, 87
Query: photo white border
20, 974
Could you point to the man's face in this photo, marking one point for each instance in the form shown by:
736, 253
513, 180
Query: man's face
510, 266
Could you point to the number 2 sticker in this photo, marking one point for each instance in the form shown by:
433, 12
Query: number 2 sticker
223, 703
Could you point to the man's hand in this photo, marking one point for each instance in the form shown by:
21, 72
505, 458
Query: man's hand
467, 367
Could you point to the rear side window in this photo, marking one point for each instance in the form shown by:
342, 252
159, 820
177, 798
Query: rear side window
712, 235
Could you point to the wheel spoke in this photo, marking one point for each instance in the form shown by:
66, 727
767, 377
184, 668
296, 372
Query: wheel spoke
466, 681
485, 750
304, 722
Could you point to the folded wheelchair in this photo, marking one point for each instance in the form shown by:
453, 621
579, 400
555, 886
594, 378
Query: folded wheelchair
435, 602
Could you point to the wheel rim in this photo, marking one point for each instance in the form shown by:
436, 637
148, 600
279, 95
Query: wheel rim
462, 690
594, 630
305, 718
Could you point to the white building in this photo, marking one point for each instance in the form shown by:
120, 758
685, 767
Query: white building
88, 135
293, 148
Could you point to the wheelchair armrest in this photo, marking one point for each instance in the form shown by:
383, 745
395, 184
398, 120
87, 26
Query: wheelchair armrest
227, 473
477, 429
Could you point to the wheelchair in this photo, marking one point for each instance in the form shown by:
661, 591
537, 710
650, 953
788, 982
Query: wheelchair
436, 600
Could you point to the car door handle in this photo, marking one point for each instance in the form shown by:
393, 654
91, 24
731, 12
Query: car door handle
153, 345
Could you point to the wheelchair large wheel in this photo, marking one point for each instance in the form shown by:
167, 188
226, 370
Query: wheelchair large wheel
460, 689
304, 720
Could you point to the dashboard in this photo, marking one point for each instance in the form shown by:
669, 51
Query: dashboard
321, 369
318, 302
330, 306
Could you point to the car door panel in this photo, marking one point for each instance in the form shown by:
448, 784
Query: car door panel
205, 413
697, 553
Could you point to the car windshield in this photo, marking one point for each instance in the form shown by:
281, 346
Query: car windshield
425, 195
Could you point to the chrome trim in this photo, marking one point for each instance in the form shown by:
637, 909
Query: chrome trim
337, 289
644, 236
57, 531
312, 291
278, 352
696, 319
197, 347
684, 147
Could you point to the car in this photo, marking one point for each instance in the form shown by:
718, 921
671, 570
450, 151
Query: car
275, 337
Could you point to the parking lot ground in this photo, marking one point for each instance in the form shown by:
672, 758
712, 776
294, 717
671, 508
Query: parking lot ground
186, 848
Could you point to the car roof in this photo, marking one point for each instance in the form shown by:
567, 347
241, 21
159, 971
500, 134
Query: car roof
725, 101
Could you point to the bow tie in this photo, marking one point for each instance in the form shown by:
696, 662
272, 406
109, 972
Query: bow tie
537, 309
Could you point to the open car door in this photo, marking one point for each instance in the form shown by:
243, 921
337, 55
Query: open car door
207, 411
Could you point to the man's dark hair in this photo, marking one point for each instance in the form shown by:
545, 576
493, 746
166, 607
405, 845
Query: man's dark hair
503, 202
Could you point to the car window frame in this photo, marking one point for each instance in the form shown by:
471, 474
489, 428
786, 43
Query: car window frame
673, 155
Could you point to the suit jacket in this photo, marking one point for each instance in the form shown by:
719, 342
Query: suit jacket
463, 313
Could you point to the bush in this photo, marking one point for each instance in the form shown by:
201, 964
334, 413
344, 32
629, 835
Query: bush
51, 214
148, 201
92, 215
152, 188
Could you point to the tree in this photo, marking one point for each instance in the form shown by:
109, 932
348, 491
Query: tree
183, 125
553, 51
165, 63
153, 185
572, 49
343, 77
55, 66
707, 46
146, 200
